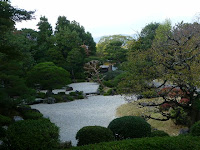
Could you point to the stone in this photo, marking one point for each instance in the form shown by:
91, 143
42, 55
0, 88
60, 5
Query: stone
69, 88
183, 131
50, 100
17, 118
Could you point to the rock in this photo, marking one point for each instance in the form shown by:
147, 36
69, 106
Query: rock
50, 100
69, 88
17, 118
139, 97
184, 131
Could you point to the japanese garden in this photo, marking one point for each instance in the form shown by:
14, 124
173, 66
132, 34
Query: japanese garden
59, 89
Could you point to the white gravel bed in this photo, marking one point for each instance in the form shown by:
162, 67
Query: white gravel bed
72, 116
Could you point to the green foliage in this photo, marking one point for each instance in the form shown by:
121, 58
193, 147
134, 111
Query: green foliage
48, 76
154, 143
4, 120
179, 115
149, 93
109, 92
93, 134
130, 127
158, 133
32, 135
195, 129
41, 95
112, 74
32, 115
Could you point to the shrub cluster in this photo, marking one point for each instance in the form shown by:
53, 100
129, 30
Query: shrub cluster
154, 143
129, 127
93, 134
158, 133
32, 135
195, 129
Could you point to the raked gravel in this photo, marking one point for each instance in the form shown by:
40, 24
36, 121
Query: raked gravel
72, 116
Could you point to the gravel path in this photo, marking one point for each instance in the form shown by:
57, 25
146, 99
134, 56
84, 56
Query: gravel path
72, 116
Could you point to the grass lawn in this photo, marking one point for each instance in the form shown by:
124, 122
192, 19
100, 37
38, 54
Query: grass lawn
133, 109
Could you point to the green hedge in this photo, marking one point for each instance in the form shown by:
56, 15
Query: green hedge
195, 129
158, 133
32, 135
130, 127
94, 134
154, 143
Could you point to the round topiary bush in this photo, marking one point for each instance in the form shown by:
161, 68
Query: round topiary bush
94, 134
195, 129
129, 127
159, 133
32, 135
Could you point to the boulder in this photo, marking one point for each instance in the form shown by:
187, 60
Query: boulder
50, 100
17, 118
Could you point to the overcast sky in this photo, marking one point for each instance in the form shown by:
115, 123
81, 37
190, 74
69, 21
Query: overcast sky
108, 17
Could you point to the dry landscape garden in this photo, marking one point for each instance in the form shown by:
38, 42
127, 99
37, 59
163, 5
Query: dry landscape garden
61, 90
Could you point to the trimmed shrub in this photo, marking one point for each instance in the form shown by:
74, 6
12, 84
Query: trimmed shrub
195, 129
129, 127
80, 97
32, 115
153, 143
109, 92
159, 133
58, 98
108, 83
41, 95
93, 134
5, 120
32, 135
73, 93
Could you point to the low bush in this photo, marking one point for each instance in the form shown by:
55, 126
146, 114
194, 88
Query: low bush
32, 135
153, 143
69, 97
158, 133
41, 95
80, 97
149, 94
109, 92
108, 83
129, 127
5, 120
195, 129
61, 93
73, 93
58, 98
32, 115
93, 134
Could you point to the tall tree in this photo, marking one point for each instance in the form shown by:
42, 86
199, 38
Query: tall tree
44, 39
13, 89
175, 56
